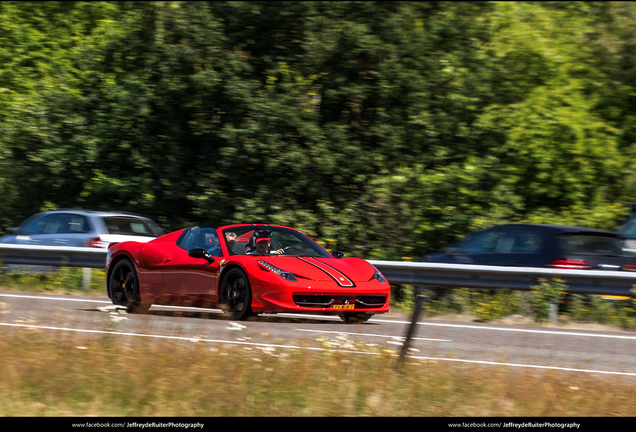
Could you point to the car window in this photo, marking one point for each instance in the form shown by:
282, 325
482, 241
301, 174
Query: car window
49, 224
629, 228
38, 226
577, 244
482, 242
290, 241
205, 238
523, 241
293, 242
128, 226
72, 224
156, 231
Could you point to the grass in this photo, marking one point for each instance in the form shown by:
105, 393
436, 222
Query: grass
102, 378
60, 280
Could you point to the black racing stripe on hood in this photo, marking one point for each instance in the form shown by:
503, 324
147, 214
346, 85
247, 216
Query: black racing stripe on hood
340, 278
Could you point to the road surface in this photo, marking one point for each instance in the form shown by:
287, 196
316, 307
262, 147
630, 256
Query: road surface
512, 346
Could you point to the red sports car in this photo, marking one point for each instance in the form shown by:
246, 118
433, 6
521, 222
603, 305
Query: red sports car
244, 269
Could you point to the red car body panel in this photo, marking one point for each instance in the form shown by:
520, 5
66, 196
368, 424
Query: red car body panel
169, 276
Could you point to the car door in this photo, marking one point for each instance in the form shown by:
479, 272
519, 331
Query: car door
189, 280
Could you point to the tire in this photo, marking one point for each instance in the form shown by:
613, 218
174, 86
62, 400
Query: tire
124, 287
355, 318
236, 294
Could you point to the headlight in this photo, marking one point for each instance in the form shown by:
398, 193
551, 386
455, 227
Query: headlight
282, 273
377, 275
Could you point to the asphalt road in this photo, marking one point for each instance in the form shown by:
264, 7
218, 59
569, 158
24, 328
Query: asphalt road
511, 346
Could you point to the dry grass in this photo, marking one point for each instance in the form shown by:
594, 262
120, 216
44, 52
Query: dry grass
102, 378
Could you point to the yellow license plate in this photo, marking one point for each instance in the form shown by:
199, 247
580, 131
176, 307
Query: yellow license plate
349, 306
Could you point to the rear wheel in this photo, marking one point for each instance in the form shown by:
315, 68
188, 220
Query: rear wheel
236, 294
355, 318
124, 287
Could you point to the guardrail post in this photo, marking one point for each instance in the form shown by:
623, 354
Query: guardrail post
87, 272
419, 305
553, 313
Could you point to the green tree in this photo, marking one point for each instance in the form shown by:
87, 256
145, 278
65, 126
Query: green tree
387, 128
39, 44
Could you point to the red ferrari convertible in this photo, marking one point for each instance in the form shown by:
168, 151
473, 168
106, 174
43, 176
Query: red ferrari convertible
244, 269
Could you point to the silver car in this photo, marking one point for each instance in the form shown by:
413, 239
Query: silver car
82, 228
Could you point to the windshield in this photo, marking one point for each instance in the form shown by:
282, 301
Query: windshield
280, 242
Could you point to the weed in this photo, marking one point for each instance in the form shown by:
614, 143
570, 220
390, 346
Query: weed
489, 305
545, 296
64, 280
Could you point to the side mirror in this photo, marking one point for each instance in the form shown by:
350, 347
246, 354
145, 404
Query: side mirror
337, 254
200, 253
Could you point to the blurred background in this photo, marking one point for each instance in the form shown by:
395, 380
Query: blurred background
385, 130
382, 129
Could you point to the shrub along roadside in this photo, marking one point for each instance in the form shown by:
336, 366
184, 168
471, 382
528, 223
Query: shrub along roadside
490, 305
59, 280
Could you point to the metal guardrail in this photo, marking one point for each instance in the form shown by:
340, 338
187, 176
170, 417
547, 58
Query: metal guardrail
397, 273
605, 282
424, 276
60, 256
421, 275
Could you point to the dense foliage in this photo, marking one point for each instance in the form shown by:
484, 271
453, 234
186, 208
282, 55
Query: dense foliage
393, 127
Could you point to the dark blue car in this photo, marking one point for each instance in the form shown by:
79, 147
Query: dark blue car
534, 245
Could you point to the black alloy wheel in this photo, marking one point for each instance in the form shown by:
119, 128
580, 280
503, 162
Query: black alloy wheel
236, 294
124, 287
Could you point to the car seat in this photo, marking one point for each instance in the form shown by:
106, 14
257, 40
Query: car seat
251, 245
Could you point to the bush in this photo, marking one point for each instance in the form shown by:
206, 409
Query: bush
545, 296
490, 305
49, 279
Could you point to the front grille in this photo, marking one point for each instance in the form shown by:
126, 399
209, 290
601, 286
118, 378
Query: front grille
313, 300
371, 301
325, 301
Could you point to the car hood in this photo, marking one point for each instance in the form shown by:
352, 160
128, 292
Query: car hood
346, 272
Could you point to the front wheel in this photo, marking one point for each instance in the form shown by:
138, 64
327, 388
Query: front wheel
124, 287
236, 294
355, 318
